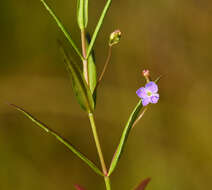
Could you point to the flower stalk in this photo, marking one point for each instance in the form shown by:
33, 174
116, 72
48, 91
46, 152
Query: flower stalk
139, 117
105, 65
113, 39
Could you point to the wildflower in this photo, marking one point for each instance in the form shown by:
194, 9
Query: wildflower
148, 94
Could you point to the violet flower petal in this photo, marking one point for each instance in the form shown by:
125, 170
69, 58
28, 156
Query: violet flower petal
152, 86
146, 101
141, 92
154, 98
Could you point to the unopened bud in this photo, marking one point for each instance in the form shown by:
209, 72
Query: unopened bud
146, 74
114, 37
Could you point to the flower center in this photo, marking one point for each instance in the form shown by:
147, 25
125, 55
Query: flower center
149, 93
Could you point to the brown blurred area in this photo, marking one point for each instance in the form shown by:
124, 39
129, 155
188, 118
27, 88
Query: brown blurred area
172, 144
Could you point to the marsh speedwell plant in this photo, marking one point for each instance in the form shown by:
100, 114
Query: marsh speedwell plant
85, 82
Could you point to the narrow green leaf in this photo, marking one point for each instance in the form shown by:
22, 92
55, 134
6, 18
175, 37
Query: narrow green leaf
124, 137
86, 13
92, 72
80, 87
61, 139
62, 28
98, 26
82, 13
91, 67
143, 184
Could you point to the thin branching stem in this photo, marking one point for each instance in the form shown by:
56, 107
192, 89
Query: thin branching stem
106, 64
140, 116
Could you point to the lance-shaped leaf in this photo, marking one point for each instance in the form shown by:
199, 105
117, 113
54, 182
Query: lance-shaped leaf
78, 187
98, 26
62, 28
61, 139
91, 69
143, 184
124, 137
80, 87
82, 13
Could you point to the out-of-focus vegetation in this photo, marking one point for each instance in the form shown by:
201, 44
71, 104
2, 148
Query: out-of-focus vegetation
172, 143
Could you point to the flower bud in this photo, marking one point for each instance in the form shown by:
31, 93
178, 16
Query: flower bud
114, 37
146, 74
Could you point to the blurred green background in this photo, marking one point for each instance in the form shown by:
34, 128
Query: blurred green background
172, 144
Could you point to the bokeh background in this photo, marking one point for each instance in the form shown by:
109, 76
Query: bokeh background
172, 143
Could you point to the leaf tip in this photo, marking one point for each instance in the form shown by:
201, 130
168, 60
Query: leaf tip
143, 184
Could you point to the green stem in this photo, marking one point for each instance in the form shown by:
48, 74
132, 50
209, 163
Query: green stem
99, 150
107, 182
85, 61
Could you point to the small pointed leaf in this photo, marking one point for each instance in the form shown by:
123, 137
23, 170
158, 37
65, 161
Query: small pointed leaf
80, 87
98, 26
124, 137
62, 28
91, 68
82, 13
61, 139
143, 184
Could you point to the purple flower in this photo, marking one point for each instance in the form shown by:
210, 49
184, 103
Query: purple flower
148, 94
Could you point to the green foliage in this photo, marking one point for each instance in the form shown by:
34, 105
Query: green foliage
124, 137
80, 87
98, 26
60, 25
85, 83
82, 13
62, 140
92, 75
